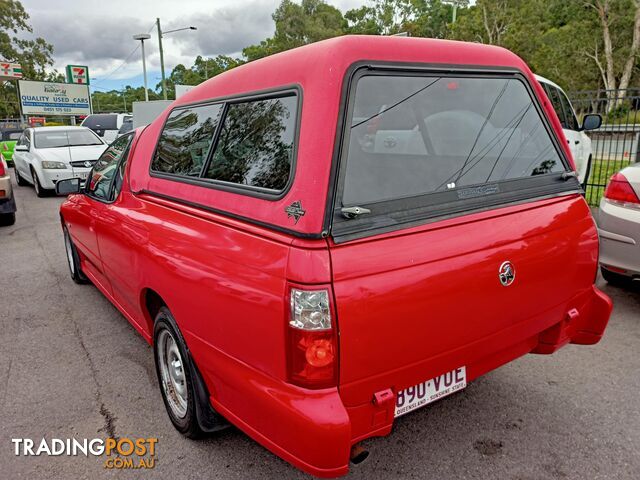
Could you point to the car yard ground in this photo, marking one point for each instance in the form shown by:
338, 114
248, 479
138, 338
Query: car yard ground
72, 367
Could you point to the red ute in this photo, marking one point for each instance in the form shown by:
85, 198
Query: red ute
320, 241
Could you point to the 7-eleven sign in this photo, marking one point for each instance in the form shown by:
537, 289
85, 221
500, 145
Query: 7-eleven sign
78, 74
10, 71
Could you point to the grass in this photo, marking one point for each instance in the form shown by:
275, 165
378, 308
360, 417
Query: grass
601, 171
630, 117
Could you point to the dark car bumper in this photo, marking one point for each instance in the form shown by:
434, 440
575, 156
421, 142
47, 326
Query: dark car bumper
8, 205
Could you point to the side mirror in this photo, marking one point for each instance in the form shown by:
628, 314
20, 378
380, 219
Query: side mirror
68, 186
591, 121
20, 148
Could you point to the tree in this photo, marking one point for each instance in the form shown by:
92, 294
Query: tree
201, 70
120, 100
34, 55
586, 44
210, 67
418, 18
620, 26
297, 25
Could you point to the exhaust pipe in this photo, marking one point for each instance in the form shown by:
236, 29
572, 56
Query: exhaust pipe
358, 454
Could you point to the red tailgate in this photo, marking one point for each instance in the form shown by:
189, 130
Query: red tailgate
415, 304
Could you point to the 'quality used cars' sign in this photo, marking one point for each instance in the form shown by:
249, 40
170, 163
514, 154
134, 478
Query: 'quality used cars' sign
44, 98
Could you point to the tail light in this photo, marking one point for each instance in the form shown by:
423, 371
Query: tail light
620, 191
3, 170
312, 356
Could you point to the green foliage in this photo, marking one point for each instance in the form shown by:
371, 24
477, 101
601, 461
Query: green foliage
33, 54
419, 18
297, 25
120, 100
559, 39
201, 70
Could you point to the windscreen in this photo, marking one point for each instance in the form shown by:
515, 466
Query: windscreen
415, 135
66, 138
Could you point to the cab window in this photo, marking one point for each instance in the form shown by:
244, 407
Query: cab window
105, 179
256, 144
185, 140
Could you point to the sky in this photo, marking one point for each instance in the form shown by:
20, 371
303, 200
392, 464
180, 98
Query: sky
98, 33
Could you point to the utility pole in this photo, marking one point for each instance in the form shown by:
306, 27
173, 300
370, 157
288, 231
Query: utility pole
164, 85
160, 35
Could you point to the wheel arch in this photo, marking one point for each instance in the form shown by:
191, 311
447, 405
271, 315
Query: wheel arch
151, 303
208, 419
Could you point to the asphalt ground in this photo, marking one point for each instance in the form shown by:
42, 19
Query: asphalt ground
72, 367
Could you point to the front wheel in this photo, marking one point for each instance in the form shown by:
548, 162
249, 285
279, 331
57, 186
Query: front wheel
21, 181
174, 375
40, 190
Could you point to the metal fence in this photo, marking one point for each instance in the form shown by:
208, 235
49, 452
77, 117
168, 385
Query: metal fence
615, 144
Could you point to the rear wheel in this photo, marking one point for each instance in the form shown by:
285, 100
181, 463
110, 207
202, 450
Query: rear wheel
7, 219
40, 190
21, 181
73, 259
174, 375
613, 278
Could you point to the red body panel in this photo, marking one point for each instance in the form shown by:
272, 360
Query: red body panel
410, 305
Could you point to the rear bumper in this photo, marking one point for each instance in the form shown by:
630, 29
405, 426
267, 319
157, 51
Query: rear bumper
7, 202
314, 430
619, 231
308, 428
7, 205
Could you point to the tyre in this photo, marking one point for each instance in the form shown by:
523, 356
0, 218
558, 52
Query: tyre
7, 219
40, 190
175, 375
73, 259
21, 181
615, 278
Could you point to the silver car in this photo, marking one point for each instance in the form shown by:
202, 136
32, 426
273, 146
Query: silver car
619, 227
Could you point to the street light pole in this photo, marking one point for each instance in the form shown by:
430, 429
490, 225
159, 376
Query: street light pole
142, 37
160, 35
164, 85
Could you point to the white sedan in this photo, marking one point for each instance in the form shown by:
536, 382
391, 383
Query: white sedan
45, 155
579, 142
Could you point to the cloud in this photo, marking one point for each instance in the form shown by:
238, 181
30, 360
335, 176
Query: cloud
225, 31
98, 33
104, 41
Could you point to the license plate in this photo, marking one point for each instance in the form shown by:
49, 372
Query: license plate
427, 392
82, 176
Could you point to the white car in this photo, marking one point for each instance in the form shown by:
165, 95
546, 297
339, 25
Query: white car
45, 155
579, 142
108, 126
